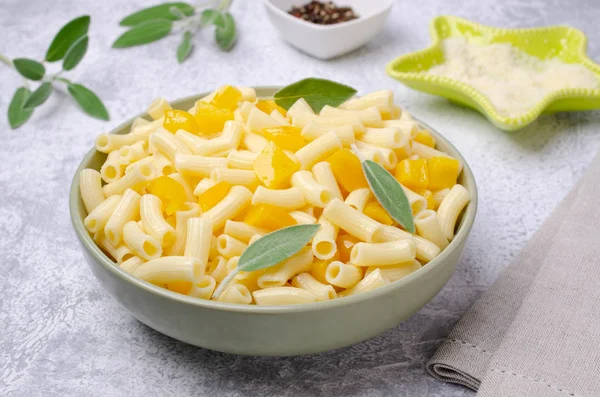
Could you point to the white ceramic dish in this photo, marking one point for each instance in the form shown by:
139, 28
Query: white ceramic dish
328, 41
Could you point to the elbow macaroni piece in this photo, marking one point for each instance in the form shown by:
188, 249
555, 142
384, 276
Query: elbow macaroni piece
283, 296
322, 292
170, 269
191, 246
154, 222
289, 199
314, 193
351, 220
450, 208
318, 150
383, 254
90, 188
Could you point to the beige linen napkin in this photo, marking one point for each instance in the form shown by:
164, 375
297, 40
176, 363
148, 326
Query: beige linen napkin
536, 331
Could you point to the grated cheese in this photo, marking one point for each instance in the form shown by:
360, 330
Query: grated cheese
512, 80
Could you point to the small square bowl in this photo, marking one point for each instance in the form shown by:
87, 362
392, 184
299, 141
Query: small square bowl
329, 41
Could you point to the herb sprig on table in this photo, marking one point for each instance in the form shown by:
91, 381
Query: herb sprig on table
69, 45
154, 23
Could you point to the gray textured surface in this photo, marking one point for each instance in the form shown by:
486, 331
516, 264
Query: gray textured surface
61, 335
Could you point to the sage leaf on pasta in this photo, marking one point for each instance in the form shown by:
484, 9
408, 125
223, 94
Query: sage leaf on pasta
66, 36
388, 192
161, 11
317, 92
17, 116
271, 249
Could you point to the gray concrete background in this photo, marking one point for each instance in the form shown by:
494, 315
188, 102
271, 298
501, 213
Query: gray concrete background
61, 335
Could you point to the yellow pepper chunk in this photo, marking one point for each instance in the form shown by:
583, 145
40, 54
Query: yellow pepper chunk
344, 245
227, 97
374, 210
443, 172
268, 106
213, 195
180, 120
286, 137
210, 118
182, 287
428, 194
413, 173
268, 217
319, 267
347, 170
169, 191
171, 220
424, 137
274, 168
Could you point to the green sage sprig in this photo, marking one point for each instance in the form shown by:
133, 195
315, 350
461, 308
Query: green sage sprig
387, 191
69, 45
154, 23
270, 250
316, 92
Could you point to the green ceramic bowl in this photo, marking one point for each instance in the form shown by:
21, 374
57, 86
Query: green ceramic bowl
275, 330
564, 42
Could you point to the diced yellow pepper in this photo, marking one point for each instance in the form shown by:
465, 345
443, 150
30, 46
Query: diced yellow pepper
345, 243
180, 120
443, 172
425, 137
171, 220
169, 191
318, 269
347, 170
268, 106
374, 210
268, 217
274, 168
213, 195
286, 137
227, 97
413, 173
428, 194
182, 287
210, 118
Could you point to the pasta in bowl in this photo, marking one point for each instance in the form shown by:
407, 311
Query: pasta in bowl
169, 204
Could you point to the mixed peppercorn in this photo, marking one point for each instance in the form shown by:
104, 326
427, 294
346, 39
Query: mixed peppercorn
323, 13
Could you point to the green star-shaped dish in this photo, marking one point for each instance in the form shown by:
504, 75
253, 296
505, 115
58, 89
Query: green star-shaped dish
564, 42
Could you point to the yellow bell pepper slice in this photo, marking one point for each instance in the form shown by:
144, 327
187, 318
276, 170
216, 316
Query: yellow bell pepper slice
374, 210
210, 118
413, 173
347, 170
443, 172
180, 120
268, 217
227, 97
274, 168
169, 191
213, 195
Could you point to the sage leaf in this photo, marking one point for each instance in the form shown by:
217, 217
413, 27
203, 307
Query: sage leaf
225, 36
89, 102
212, 17
38, 96
388, 192
161, 11
75, 53
317, 92
17, 116
272, 249
144, 33
185, 48
30, 69
66, 36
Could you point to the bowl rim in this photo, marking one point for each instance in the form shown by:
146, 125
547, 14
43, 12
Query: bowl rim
507, 123
96, 253
336, 26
